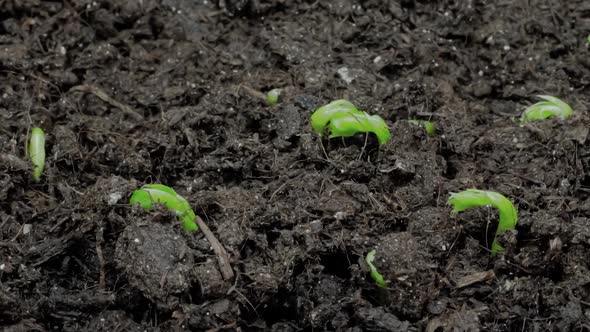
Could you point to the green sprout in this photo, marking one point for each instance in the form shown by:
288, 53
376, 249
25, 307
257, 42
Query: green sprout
379, 280
149, 194
550, 107
272, 97
343, 119
588, 39
37, 152
474, 198
429, 126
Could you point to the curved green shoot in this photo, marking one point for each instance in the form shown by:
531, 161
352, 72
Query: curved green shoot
322, 116
475, 198
346, 125
343, 119
588, 39
429, 126
272, 97
149, 194
550, 107
379, 280
37, 152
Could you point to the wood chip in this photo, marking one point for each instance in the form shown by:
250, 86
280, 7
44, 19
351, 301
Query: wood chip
475, 278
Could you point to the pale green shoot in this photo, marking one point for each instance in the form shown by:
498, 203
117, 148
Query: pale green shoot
550, 107
377, 277
149, 194
37, 152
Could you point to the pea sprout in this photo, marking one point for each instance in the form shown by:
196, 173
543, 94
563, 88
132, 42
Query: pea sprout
149, 194
377, 277
550, 107
37, 152
475, 198
342, 119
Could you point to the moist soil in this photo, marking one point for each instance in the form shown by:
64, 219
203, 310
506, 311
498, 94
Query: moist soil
135, 92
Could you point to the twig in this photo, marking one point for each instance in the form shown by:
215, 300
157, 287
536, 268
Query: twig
222, 257
98, 92
99, 241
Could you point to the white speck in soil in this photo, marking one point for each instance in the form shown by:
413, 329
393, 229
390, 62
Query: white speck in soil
27, 228
114, 198
345, 74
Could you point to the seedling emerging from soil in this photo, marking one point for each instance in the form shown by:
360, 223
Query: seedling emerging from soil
149, 194
272, 97
550, 107
379, 280
474, 198
342, 119
429, 127
37, 152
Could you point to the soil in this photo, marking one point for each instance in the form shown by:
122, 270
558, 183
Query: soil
134, 92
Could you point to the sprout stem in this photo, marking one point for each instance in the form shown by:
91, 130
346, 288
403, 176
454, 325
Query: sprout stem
379, 280
474, 198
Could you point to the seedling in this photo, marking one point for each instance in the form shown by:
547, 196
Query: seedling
379, 280
342, 119
272, 97
474, 198
550, 107
37, 152
149, 194
429, 126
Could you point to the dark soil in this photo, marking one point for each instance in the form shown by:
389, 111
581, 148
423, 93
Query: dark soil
167, 91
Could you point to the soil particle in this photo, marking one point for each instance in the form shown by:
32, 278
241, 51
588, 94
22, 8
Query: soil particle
156, 260
405, 265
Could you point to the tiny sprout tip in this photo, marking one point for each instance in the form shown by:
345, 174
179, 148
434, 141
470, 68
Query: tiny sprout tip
37, 152
272, 97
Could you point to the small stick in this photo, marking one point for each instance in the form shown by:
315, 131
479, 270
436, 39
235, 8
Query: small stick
222, 257
99, 241
98, 92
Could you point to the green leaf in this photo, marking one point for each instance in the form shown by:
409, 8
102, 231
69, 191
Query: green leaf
149, 194
550, 107
377, 277
37, 152
475, 198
